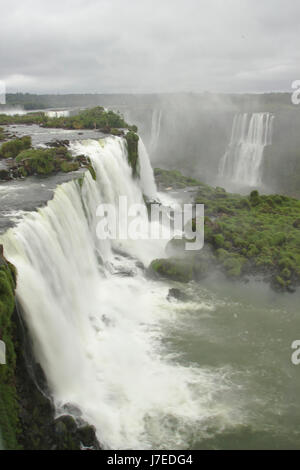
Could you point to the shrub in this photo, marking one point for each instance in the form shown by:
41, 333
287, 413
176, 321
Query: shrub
175, 269
12, 148
132, 140
69, 166
219, 240
286, 273
254, 198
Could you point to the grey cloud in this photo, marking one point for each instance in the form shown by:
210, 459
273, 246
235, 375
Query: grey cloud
149, 45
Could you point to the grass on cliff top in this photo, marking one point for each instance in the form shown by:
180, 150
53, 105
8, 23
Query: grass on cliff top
42, 161
46, 161
174, 179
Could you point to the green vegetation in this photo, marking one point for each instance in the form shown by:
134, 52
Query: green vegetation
132, 140
8, 395
92, 171
46, 161
30, 118
176, 269
255, 234
2, 134
42, 161
93, 118
173, 178
66, 167
12, 148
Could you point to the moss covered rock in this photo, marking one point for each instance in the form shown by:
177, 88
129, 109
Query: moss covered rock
12, 148
176, 269
66, 166
9, 409
132, 140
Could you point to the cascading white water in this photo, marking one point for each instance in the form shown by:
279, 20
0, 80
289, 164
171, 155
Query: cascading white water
146, 172
57, 114
96, 332
114, 180
155, 129
14, 111
241, 163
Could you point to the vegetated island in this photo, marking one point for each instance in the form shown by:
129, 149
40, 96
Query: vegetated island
254, 234
23, 160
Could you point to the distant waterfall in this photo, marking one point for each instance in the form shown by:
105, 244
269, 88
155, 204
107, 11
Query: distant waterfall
155, 129
241, 163
146, 172
57, 114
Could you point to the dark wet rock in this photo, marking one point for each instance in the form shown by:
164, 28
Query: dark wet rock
291, 289
70, 435
87, 436
5, 175
83, 160
39, 428
176, 294
296, 223
140, 265
58, 143
112, 131
125, 272
11, 164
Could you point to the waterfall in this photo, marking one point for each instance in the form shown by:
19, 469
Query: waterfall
97, 332
241, 163
155, 129
146, 172
57, 114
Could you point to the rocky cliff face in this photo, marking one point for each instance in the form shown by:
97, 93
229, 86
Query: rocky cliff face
27, 414
8, 392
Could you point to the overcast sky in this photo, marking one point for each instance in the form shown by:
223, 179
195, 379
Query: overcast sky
149, 45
